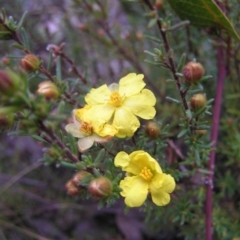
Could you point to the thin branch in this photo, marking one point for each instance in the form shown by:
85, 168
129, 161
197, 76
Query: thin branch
169, 56
60, 144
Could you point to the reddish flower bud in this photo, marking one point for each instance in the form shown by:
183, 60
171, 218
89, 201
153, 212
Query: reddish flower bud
159, 4
30, 63
201, 132
71, 188
100, 187
193, 72
78, 177
5, 61
152, 129
198, 101
48, 89
9, 82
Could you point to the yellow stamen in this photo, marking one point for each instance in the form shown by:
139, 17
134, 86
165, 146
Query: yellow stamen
86, 128
115, 99
146, 173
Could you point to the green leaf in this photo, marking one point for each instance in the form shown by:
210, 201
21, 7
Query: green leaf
25, 39
181, 63
154, 39
38, 138
203, 13
20, 23
152, 22
182, 133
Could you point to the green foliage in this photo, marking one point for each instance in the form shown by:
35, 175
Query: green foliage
99, 49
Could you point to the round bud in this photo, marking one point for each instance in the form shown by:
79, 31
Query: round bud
198, 101
9, 82
193, 72
82, 26
30, 63
152, 129
100, 187
159, 4
79, 176
139, 35
5, 61
48, 89
201, 132
71, 188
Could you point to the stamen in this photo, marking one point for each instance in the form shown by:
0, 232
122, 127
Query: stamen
86, 128
146, 173
115, 99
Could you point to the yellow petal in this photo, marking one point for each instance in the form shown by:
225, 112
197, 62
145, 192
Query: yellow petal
160, 187
122, 160
131, 84
74, 130
101, 113
141, 159
142, 104
85, 143
98, 95
135, 191
107, 130
100, 139
125, 122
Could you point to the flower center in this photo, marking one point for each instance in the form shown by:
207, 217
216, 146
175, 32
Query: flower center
146, 173
115, 99
86, 128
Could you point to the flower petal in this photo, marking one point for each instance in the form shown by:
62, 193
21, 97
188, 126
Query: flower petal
99, 139
74, 130
125, 122
135, 190
107, 130
160, 187
139, 160
142, 104
122, 160
113, 87
131, 84
98, 95
85, 143
101, 113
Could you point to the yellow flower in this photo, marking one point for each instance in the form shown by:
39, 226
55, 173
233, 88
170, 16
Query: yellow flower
89, 130
119, 104
144, 175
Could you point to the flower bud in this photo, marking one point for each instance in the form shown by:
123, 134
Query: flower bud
159, 4
193, 72
152, 129
5, 61
100, 187
201, 132
48, 89
198, 101
30, 63
78, 177
9, 82
71, 188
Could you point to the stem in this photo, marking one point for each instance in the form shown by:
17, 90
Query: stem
54, 137
222, 73
169, 57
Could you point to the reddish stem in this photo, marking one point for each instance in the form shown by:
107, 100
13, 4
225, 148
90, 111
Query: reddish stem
222, 73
